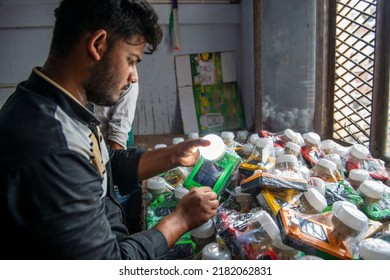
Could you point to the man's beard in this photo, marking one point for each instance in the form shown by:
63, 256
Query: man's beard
103, 80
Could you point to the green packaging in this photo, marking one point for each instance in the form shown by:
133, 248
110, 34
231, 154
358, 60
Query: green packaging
215, 174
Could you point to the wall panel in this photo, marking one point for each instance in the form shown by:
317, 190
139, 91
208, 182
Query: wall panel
25, 32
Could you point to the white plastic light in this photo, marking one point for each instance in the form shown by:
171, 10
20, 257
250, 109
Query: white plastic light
215, 150
177, 140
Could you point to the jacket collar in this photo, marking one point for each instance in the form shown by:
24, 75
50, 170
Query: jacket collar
43, 85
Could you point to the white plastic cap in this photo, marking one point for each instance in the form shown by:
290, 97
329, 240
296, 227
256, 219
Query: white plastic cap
287, 158
268, 224
293, 146
359, 175
375, 249
227, 135
350, 215
291, 134
263, 142
327, 164
193, 135
336, 158
372, 189
158, 146
215, 150
247, 147
316, 183
253, 138
359, 151
278, 151
242, 134
316, 199
180, 191
299, 139
177, 140
156, 185
328, 144
312, 137
216, 251
305, 172
340, 150
205, 230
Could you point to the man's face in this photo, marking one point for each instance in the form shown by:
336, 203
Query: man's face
111, 76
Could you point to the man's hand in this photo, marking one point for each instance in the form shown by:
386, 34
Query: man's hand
194, 209
187, 152
155, 162
198, 206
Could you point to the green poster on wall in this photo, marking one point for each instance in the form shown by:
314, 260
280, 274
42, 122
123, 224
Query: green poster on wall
208, 92
206, 68
218, 107
217, 103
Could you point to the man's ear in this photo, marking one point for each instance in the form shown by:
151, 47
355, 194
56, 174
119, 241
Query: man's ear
97, 44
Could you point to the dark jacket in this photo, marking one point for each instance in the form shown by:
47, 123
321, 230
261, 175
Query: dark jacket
56, 186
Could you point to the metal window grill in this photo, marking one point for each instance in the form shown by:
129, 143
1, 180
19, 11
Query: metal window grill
354, 70
387, 149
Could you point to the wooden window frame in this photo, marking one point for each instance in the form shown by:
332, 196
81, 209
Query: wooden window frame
325, 75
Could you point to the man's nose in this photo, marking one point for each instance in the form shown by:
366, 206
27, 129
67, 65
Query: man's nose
133, 77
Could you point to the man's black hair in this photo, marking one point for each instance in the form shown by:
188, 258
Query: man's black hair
120, 18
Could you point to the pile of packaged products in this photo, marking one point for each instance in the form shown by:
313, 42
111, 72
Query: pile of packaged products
282, 195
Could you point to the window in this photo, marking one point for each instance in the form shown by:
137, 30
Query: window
195, 1
360, 74
354, 70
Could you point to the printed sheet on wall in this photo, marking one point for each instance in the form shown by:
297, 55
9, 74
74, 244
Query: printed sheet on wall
208, 92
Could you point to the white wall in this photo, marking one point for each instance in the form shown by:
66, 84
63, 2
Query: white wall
25, 33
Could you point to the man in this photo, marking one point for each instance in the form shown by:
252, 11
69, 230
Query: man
115, 124
56, 175
116, 121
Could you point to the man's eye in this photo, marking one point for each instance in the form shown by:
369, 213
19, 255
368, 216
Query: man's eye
133, 62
